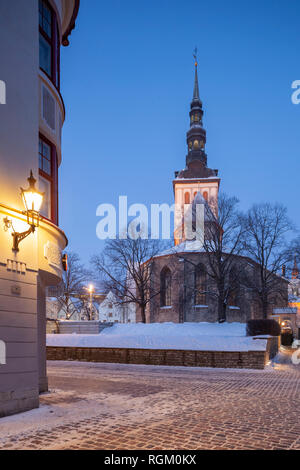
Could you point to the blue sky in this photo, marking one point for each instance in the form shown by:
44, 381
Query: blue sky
127, 82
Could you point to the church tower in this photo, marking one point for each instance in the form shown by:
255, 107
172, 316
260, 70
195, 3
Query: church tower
196, 178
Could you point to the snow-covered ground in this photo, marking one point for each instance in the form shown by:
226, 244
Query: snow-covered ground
192, 336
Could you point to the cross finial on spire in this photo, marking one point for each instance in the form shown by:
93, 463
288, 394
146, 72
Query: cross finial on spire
196, 86
195, 56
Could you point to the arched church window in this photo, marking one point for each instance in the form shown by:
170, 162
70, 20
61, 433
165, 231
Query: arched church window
165, 287
195, 194
196, 117
200, 285
190, 145
233, 288
202, 144
205, 195
196, 144
187, 198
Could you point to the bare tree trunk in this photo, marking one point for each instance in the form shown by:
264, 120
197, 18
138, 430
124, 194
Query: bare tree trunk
221, 310
143, 313
265, 308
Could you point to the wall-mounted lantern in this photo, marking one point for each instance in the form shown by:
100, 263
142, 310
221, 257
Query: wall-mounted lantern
32, 200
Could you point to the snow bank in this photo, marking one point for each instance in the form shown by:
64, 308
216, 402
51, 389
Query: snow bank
192, 336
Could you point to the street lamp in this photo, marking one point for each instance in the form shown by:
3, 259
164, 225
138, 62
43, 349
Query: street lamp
91, 290
32, 200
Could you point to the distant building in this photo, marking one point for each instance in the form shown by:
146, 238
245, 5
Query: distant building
294, 292
106, 308
111, 311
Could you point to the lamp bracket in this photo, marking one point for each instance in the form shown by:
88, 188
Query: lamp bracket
17, 236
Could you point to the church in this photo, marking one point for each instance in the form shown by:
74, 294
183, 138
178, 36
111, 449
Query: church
181, 276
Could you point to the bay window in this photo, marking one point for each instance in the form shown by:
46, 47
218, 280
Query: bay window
48, 179
49, 42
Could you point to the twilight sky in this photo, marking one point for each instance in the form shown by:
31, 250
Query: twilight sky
127, 82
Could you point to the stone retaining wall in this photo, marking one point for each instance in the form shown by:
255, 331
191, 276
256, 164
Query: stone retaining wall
222, 359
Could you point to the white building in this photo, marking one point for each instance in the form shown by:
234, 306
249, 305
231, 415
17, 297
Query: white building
32, 114
111, 311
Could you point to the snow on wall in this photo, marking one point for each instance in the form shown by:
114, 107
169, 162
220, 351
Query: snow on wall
190, 336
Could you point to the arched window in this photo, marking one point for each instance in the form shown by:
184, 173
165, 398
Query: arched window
205, 195
200, 285
196, 144
187, 198
233, 289
195, 194
165, 287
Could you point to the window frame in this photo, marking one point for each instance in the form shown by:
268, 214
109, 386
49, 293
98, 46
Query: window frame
54, 43
52, 179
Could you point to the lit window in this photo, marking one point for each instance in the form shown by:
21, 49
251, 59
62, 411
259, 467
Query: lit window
196, 144
45, 187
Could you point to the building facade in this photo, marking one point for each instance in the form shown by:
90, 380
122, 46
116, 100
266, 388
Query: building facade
111, 311
105, 308
31, 116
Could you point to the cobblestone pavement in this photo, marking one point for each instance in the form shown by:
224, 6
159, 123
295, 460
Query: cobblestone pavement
113, 406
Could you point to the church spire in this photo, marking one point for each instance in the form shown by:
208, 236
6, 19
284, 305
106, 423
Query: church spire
196, 85
196, 135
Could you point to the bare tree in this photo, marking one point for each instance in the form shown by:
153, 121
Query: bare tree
222, 242
126, 267
71, 287
265, 242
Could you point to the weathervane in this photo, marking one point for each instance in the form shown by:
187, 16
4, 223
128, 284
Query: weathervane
195, 56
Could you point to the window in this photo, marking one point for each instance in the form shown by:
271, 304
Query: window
196, 144
187, 198
200, 285
49, 42
165, 287
233, 288
48, 179
205, 195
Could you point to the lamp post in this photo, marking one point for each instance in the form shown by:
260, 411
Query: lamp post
32, 200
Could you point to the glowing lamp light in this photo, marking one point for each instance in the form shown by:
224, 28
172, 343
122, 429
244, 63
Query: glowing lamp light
33, 201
